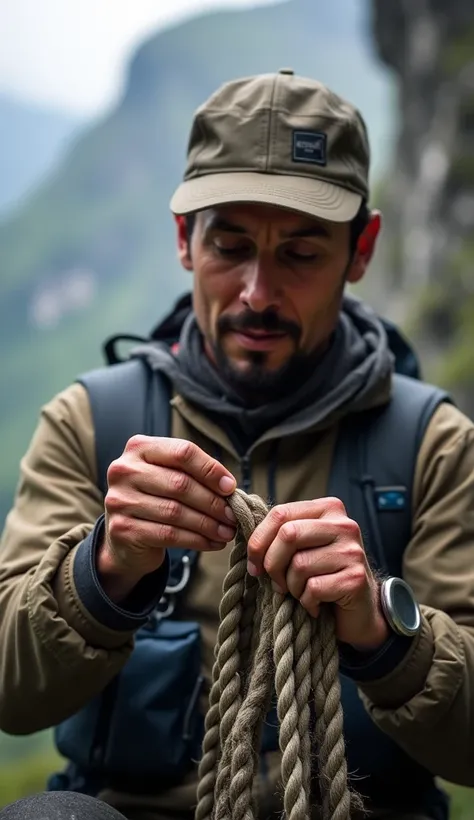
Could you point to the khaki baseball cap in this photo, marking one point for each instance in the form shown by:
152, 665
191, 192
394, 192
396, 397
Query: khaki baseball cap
277, 139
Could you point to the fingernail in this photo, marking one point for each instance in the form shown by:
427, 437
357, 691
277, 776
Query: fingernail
225, 532
230, 514
276, 588
227, 484
252, 569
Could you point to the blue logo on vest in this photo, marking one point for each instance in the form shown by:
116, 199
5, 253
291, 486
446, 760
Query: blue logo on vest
391, 498
309, 146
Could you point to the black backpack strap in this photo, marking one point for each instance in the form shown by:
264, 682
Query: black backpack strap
406, 360
125, 399
374, 465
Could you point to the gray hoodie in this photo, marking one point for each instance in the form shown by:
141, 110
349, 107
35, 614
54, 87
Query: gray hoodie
346, 379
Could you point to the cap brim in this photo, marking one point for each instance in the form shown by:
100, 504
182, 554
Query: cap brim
313, 197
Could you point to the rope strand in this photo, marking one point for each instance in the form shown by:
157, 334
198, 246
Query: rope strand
266, 639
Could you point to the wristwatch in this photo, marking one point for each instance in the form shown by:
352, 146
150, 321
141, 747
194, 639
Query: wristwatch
400, 607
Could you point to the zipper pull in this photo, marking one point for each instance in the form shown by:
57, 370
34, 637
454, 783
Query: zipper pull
245, 467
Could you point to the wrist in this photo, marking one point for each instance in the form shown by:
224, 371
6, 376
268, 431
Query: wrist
118, 581
378, 631
376, 637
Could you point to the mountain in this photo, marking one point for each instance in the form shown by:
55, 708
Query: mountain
92, 250
32, 140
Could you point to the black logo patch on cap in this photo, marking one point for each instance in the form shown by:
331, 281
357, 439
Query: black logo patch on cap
309, 146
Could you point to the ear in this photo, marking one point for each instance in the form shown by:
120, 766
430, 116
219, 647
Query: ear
365, 248
184, 249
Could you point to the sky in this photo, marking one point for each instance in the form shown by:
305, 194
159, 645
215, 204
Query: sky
71, 54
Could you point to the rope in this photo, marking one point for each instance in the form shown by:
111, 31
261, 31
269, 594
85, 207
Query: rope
268, 640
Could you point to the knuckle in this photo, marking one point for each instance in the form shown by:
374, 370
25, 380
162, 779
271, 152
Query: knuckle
210, 469
179, 483
136, 443
216, 505
288, 531
336, 505
279, 515
119, 527
116, 470
166, 534
205, 526
300, 562
171, 510
253, 550
122, 469
351, 529
357, 576
184, 451
113, 502
313, 585
354, 553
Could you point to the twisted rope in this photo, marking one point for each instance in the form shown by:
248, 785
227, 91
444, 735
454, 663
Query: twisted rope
266, 639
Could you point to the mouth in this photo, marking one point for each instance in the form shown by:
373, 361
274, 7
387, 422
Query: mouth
258, 339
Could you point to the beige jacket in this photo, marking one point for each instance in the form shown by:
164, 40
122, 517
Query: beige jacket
54, 656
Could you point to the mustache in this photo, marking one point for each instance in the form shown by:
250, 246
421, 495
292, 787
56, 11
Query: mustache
269, 322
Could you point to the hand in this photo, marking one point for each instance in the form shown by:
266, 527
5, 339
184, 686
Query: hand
312, 550
162, 492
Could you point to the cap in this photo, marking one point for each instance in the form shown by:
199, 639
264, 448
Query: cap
277, 139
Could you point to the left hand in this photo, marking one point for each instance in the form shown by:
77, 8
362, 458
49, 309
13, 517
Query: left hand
314, 551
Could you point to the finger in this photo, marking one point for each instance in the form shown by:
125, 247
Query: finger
311, 562
343, 588
163, 482
133, 533
291, 538
267, 531
187, 457
168, 511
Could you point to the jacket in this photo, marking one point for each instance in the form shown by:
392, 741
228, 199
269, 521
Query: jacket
59, 647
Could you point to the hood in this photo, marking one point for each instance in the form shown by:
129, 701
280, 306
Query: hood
353, 375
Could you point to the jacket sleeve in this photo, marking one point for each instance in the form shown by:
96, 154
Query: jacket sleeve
426, 704
61, 638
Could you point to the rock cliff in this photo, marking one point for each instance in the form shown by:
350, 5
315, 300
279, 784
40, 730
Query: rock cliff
428, 197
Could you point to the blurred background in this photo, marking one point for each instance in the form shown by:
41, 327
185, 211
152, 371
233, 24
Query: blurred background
95, 105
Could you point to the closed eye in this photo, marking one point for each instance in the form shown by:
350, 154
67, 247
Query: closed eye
232, 250
302, 257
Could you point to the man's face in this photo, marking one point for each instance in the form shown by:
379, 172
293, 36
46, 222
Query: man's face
268, 284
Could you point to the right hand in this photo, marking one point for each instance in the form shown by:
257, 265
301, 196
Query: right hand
162, 492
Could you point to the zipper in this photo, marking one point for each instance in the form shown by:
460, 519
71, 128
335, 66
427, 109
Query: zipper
246, 473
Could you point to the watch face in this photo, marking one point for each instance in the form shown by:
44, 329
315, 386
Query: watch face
400, 607
405, 606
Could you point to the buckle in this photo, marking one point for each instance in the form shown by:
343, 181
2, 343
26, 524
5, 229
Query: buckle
167, 603
182, 583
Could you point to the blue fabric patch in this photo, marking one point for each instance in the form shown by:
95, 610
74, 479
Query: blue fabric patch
309, 146
391, 498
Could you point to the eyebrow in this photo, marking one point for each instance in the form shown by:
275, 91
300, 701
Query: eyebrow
217, 223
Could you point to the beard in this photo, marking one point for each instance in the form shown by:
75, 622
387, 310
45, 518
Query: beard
257, 384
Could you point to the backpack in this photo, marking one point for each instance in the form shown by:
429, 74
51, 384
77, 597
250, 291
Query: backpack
144, 731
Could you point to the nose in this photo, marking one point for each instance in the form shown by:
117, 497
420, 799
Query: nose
260, 289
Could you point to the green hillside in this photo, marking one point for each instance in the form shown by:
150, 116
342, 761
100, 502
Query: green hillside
32, 136
101, 221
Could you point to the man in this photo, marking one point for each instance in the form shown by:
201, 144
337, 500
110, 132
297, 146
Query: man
273, 361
